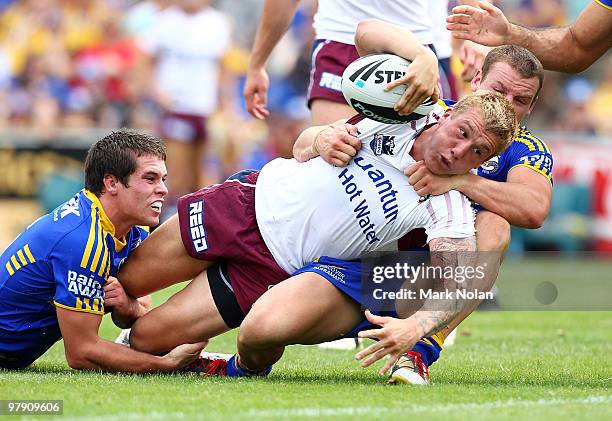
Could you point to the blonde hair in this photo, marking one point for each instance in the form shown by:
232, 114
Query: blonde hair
497, 114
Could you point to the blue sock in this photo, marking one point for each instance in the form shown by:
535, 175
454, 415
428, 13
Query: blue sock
429, 348
236, 370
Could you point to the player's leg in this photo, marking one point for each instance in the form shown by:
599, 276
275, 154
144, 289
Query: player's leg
161, 260
324, 111
305, 309
189, 316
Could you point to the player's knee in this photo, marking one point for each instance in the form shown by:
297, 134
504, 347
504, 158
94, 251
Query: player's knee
260, 331
493, 234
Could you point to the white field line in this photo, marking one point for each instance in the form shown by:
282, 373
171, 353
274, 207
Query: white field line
342, 411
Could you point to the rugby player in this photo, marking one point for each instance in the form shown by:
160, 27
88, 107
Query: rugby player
515, 187
56, 278
569, 49
241, 237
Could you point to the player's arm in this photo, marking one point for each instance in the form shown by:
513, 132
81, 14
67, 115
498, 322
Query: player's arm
336, 143
569, 49
397, 336
274, 22
85, 350
421, 79
523, 200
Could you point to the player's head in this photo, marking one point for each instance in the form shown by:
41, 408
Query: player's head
129, 167
480, 126
513, 72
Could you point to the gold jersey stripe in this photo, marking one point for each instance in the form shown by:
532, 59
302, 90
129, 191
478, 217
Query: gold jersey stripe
15, 262
21, 258
104, 261
100, 244
28, 253
76, 308
9, 269
90, 239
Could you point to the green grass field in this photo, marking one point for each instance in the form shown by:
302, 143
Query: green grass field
504, 365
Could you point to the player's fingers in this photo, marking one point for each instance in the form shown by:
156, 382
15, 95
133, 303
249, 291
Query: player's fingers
436, 94
458, 28
464, 19
351, 129
392, 360
345, 158
337, 163
375, 357
367, 351
375, 319
465, 10
397, 82
424, 192
412, 168
417, 175
488, 7
461, 35
422, 183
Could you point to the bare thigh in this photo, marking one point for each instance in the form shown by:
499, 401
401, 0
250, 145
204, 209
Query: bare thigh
189, 316
161, 260
305, 309
324, 111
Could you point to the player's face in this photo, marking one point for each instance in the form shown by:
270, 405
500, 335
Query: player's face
458, 144
502, 78
140, 202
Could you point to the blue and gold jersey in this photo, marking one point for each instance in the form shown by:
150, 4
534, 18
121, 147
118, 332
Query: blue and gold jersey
525, 151
61, 260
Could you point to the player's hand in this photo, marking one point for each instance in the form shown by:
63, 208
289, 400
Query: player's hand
485, 24
116, 297
256, 93
472, 56
338, 144
421, 80
184, 354
427, 183
396, 337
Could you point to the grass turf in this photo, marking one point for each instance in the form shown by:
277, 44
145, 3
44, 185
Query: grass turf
505, 365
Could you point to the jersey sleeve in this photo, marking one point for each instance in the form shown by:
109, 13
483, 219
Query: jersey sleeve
605, 3
80, 264
532, 153
449, 215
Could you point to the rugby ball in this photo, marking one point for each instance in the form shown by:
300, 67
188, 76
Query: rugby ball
363, 83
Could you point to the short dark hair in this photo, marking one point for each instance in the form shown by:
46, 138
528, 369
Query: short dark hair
116, 154
520, 59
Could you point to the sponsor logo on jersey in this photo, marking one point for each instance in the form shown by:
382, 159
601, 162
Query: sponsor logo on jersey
331, 81
71, 207
84, 286
491, 166
382, 144
196, 226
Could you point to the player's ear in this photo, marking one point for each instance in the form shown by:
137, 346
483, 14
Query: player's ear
447, 113
475, 82
111, 183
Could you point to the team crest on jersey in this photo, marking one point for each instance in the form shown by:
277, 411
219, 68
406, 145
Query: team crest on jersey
382, 144
491, 166
69, 208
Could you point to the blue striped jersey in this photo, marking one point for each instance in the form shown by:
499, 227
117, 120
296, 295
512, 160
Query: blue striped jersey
62, 260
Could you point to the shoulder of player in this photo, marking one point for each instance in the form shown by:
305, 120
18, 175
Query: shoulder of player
527, 141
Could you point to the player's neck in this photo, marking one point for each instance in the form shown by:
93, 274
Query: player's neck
114, 215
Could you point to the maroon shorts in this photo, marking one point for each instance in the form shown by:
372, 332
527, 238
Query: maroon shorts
329, 59
218, 224
186, 128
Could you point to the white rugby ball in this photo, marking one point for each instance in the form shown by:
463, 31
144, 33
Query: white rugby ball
363, 83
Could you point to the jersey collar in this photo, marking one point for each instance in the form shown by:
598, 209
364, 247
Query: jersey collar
107, 225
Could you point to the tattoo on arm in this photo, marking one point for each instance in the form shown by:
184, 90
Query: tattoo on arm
446, 252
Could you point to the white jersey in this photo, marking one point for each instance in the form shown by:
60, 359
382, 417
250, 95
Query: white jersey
337, 20
188, 49
312, 209
438, 11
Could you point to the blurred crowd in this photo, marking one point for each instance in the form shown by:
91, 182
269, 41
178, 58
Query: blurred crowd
91, 63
